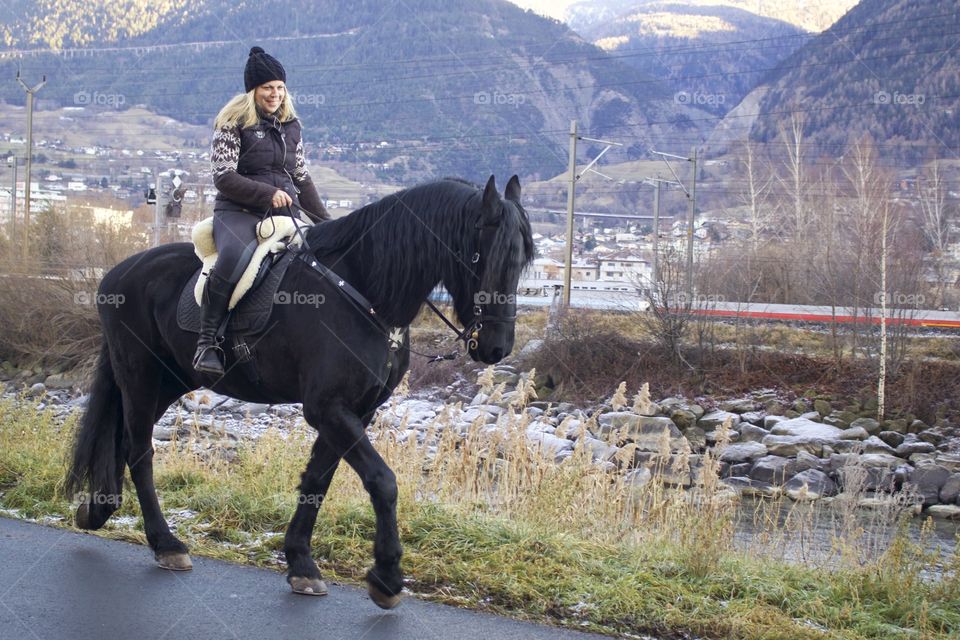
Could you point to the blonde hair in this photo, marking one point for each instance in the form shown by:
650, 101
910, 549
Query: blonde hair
242, 110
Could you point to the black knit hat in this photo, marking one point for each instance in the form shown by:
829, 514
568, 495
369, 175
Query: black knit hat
262, 68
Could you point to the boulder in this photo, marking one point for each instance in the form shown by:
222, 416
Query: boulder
810, 485
752, 417
773, 469
743, 452
892, 438
944, 511
907, 449
807, 428
645, 431
854, 433
807, 461
928, 480
696, 437
873, 444
752, 433
714, 419
870, 425
742, 405
750, 487
950, 491
770, 421
789, 446
822, 407
682, 417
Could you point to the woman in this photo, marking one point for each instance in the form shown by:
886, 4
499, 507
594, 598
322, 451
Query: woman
257, 166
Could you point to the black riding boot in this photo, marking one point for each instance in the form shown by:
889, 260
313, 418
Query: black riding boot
216, 296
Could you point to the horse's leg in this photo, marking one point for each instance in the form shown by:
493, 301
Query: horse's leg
145, 398
302, 572
345, 434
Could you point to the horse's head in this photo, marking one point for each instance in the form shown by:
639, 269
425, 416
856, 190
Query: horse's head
486, 296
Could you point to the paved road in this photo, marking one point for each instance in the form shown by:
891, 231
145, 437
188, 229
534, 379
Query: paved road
61, 585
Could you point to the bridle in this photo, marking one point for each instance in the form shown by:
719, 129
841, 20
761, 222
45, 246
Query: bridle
470, 335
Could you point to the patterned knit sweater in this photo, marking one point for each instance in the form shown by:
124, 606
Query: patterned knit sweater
225, 156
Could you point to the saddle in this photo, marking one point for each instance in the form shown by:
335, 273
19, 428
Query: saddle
256, 291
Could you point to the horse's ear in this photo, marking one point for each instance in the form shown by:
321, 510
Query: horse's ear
490, 195
512, 192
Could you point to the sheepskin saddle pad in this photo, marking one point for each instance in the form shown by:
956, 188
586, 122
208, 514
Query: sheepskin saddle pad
255, 292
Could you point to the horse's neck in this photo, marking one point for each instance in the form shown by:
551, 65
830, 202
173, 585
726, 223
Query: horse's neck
398, 279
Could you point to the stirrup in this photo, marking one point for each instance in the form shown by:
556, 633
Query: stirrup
201, 353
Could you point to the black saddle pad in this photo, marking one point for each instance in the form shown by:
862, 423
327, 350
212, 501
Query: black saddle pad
251, 314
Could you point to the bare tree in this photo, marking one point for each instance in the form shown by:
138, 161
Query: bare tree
937, 225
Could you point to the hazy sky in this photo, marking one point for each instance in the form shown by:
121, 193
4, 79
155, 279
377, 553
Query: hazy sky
552, 8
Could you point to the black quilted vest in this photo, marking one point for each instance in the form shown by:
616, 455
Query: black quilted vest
268, 154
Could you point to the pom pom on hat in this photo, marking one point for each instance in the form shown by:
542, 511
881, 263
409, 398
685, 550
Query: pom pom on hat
261, 68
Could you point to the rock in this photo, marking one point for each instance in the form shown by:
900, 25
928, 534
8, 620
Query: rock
636, 478
696, 437
742, 469
854, 433
869, 425
742, 405
907, 449
933, 436
505, 375
36, 390
949, 461
742, 452
549, 445
770, 421
774, 407
789, 446
752, 417
944, 511
750, 487
599, 450
810, 485
714, 419
253, 408
807, 428
822, 407
646, 432
892, 438
807, 461
879, 461
950, 491
773, 469
713, 437
752, 433
60, 381
530, 349
682, 417
928, 480
813, 416
873, 444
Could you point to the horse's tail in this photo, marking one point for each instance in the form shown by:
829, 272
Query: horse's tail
95, 473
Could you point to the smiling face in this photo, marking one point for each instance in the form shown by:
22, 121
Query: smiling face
269, 96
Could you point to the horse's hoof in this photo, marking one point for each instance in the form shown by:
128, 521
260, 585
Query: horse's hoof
381, 599
308, 586
82, 519
174, 561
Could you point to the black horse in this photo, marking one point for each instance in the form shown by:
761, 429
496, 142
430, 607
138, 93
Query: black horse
334, 358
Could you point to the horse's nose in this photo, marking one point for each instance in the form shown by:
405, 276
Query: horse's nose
496, 354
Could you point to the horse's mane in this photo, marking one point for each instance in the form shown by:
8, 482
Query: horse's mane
432, 220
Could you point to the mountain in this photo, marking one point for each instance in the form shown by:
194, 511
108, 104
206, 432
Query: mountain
807, 15
889, 69
400, 89
710, 52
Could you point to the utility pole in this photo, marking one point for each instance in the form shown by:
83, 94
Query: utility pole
571, 197
26, 184
656, 233
13, 199
157, 216
692, 198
